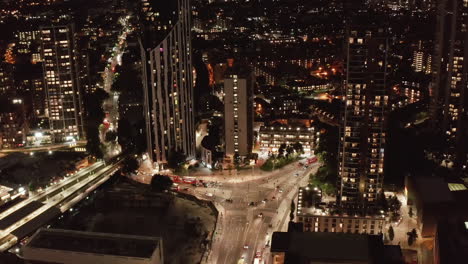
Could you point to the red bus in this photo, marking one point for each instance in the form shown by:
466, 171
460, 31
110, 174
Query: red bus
312, 160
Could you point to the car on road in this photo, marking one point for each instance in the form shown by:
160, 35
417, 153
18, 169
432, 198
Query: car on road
264, 200
280, 190
260, 215
251, 204
228, 200
246, 247
209, 194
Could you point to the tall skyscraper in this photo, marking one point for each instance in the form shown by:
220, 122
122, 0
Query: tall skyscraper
238, 111
167, 78
63, 95
362, 133
449, 82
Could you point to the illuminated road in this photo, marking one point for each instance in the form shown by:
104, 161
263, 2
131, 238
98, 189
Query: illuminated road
61, 196
241, 233
46, 147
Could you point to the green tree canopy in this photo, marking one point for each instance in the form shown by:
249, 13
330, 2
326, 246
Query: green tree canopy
160, 183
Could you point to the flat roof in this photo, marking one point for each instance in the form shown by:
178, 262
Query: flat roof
5, 190
327, 246
95, 243
428, 186
19, 214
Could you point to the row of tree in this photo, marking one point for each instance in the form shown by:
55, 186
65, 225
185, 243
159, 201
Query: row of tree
412, 235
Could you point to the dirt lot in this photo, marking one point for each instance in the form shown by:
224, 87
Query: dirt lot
183, 224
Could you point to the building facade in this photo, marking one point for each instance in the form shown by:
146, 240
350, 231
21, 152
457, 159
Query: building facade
13, 124
63, 94
362, 133
168, 79
449, 79
316, 222
319, 216
272, 137
238, 112
422, 61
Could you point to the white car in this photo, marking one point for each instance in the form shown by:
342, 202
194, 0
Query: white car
209, 194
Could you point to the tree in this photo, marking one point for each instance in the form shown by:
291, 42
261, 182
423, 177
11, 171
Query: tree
395, 216
394, 203
412, 236
175, 158
391, 233
160, 183
94, 116
236, 159
130, 165
125, 135
410, 212
298, 147
293, 208
289, 150
111, 136
281, 150
382, 201
414, 233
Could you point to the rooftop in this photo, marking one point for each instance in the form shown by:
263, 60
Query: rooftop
95, 243
452, 237
428, 186
317, 246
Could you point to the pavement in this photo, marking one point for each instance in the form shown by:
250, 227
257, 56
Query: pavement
418, 251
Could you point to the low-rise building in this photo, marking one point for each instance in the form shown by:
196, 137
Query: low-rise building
298, 247
318, 216
451, 241
272, 137
429, 209
77, 247
308, 86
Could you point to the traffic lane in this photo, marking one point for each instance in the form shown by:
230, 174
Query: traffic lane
232, 240
256, 236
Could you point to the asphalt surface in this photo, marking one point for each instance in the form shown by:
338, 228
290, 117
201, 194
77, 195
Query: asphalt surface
241, 232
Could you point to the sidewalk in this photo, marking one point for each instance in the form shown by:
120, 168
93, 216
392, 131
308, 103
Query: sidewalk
407, 224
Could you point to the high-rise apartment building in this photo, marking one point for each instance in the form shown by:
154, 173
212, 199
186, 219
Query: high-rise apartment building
422, 59
167, 78
62, 91
449, 82
362, 133
238, 111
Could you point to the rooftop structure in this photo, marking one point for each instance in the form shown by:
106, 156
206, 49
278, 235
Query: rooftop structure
297, 247
55, 245
451, 241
